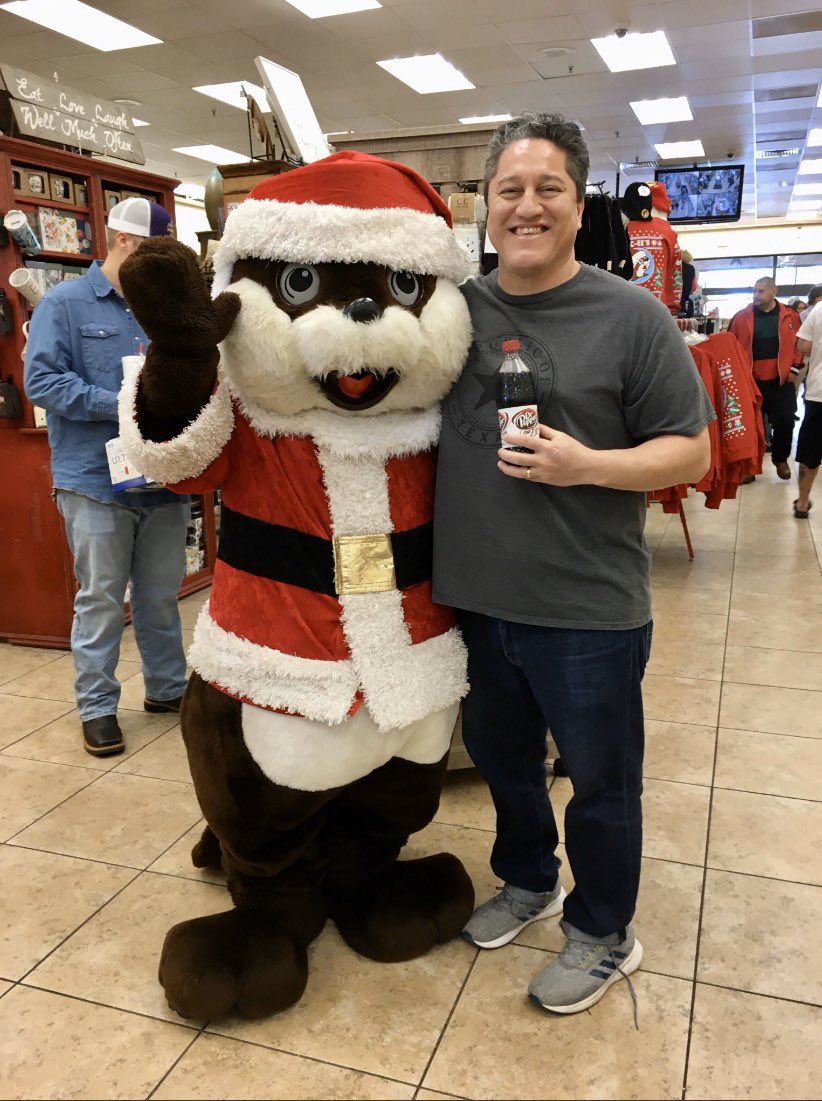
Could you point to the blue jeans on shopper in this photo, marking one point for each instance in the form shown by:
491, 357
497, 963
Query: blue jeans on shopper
112, 543
586, 687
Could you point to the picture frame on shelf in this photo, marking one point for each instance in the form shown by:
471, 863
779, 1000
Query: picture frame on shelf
111, 198
17, 180
61, 188
35, 183
81, 193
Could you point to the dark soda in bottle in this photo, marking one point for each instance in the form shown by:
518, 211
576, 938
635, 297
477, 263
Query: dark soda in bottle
516, 396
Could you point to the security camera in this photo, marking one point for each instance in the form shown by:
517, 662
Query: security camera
620, 32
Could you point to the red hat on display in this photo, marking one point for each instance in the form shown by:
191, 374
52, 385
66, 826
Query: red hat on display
659, 197
349, 208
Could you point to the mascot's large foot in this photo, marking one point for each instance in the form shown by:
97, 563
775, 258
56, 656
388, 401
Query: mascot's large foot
239, 960
405, 911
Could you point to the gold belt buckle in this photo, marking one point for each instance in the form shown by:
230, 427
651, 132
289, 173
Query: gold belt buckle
363, 564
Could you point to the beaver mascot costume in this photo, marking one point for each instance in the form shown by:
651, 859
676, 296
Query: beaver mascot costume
326, 683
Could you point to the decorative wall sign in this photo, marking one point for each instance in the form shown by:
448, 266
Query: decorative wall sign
57, 113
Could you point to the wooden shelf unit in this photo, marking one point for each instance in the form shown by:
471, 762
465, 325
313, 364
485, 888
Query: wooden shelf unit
37, 584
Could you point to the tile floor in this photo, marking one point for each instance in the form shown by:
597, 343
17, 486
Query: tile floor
94, 868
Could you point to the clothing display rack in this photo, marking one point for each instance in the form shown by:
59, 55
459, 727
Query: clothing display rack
737, 436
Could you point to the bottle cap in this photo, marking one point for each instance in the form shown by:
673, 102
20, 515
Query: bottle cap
510, 345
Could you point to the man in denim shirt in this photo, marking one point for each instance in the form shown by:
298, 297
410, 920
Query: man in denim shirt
79, 333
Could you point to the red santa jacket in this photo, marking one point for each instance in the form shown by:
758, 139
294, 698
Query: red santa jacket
321, 596
742, 327
657, 260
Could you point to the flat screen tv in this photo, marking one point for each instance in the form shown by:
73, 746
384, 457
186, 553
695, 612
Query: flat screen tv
700, 195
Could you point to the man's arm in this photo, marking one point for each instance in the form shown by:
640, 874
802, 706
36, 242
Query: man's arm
558, 459
803, 347
49, 377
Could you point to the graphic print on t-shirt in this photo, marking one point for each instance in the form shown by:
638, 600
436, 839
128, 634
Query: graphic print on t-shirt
471, 405
644, 267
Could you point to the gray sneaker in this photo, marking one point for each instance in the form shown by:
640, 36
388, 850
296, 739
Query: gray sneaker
497, 921
584, 970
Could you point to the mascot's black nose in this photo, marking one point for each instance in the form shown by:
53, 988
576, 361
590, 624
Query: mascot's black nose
363, 309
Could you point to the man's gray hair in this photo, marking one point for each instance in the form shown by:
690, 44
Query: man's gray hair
566, 135
814, 294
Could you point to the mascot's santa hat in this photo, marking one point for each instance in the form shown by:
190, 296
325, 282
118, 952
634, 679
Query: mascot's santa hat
374, 211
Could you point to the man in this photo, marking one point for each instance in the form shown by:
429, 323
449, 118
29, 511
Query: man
767, 331
814, 294
809, 443
79, 333
543, 554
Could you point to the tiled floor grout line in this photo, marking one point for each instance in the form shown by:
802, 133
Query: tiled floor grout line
444, 1028
175, 1063
708, 833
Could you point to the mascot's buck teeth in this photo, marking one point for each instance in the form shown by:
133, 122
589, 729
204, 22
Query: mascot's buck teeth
326, 682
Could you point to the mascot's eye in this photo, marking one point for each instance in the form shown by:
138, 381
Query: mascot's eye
298, 284
405, 287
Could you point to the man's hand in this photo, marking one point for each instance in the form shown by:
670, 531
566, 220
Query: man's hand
558, 459
163, 284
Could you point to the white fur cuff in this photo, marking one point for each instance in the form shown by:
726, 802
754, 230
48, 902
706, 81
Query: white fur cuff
314, 233
188, 454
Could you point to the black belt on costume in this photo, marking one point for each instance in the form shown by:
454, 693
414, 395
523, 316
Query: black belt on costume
295, 558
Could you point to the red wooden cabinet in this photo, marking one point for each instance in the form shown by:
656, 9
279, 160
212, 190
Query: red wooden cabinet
36, 580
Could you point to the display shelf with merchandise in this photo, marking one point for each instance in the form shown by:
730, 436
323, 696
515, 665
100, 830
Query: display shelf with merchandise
35, 562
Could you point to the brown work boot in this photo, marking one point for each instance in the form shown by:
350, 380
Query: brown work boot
783, 469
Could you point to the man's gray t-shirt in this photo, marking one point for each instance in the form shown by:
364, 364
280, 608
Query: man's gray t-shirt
612, 370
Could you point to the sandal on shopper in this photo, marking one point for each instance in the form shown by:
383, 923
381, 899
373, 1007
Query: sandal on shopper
800, 513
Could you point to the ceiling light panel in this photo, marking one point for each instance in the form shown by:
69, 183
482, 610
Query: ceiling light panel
815, 137
213, 154
426, 74
811, 167
671, 150
808, 188
634, 51
485, 118
82, 23
321, 9
232, 93
653, 111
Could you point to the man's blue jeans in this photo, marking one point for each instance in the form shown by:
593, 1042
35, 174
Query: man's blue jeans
586, 687
110, 544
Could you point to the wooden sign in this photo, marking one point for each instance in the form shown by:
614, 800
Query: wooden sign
57, 113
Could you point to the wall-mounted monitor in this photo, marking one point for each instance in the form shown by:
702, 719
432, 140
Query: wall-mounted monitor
301, 134
703, 195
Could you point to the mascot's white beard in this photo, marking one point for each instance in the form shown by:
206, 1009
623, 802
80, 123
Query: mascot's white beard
273, 362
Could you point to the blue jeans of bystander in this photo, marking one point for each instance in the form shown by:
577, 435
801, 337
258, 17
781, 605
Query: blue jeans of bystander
110, 544
586, 687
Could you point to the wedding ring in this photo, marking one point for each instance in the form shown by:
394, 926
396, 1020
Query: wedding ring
528, 473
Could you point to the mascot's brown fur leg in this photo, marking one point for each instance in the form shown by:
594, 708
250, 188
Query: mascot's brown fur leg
207, 853
386, 909
253, 958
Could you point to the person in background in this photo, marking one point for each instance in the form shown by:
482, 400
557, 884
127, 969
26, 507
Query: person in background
542, 553
798, 305
78, 336
767, 331
814, 294
809, 443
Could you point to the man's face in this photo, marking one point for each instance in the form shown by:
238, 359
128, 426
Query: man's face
764, 295
533, 217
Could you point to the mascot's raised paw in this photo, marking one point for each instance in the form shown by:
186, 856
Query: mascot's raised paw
166, 288
237, 960
326, 682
